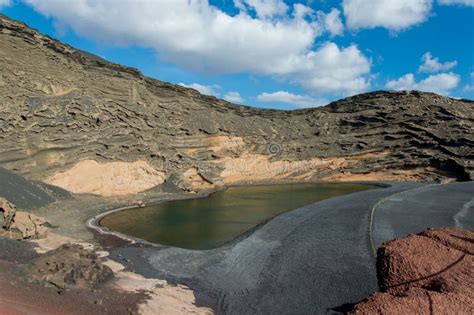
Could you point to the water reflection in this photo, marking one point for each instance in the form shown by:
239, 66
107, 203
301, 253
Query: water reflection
207, 223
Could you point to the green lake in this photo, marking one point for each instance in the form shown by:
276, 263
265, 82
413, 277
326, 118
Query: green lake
209, 222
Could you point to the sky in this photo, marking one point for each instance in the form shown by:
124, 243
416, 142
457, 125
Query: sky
273, 53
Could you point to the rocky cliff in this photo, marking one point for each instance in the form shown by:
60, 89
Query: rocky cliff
61, 108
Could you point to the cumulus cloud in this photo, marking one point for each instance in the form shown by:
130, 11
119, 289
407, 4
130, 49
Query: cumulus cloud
440, 83
394, 15
406, 82
191, 33
334, 69
290, 98
469, 3
277, 40
264, 9
431, 64
203, 89
332, 22
5, 3
233, 97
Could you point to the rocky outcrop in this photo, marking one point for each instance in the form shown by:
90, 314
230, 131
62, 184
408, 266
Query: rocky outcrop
20, 224
26, 225
61, 106
428, 273
69, 266
9, 211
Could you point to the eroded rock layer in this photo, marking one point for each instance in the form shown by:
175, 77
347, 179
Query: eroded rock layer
61, 106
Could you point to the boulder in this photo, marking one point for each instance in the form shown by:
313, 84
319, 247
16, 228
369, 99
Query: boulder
27, 225
8, 210
431, 272
21, 224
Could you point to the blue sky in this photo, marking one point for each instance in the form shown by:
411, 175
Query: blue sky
273, 53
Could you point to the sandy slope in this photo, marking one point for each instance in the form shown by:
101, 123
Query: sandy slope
108, 179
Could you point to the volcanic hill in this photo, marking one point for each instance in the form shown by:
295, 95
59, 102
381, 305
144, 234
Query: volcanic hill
77, 121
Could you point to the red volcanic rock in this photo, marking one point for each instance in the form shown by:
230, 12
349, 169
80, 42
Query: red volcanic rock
431, 272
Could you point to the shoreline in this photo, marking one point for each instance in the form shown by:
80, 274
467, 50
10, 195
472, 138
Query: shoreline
93, 223
161, 261
275, 265
298, 247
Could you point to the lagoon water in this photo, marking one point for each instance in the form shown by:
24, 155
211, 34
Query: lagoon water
209, 222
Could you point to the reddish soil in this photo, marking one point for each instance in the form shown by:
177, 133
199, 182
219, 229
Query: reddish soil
19, 297
20, 293
428, 273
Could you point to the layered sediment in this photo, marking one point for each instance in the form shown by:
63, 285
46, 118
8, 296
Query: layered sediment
62, 107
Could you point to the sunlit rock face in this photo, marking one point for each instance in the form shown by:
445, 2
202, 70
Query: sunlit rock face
430, 272
108, 179
61, 107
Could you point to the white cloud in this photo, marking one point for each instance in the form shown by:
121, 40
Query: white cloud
431, 64
332, 22
197, 36
332, 69
233, 97
406, 82
264, 9
5, 3
191, 33
290, 98
440, 83
457, 2
394, 15
203, 89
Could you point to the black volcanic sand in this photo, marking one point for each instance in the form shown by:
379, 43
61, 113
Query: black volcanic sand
23, 193
440, 205
316, 259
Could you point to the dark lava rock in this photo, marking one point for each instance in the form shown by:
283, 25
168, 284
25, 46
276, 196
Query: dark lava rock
428, 273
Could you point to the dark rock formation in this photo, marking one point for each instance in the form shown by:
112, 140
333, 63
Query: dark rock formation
69, 266
428, 273
60, 105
